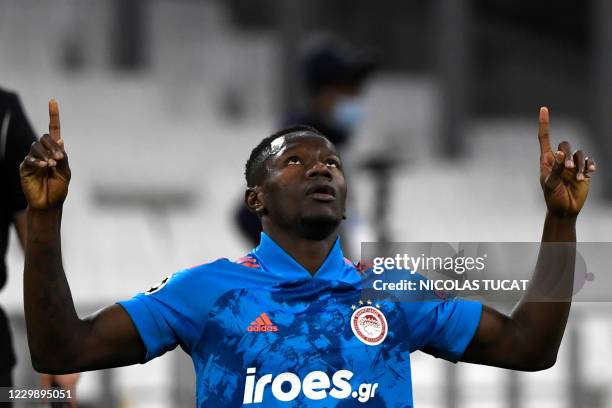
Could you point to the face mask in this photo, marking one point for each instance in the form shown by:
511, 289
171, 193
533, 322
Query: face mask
348, 113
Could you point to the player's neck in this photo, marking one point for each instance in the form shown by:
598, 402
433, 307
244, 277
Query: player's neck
307, 252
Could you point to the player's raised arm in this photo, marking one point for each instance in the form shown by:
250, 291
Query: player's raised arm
61, 342
529, 338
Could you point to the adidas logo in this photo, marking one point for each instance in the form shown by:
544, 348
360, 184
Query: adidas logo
262, 324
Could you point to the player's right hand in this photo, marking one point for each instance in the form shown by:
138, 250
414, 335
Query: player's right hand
45, 173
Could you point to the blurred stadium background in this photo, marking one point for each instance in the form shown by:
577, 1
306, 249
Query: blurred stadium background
162, 100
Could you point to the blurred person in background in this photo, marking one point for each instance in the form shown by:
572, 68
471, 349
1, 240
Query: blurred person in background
65, 382
287, 323
332, 75
16, 137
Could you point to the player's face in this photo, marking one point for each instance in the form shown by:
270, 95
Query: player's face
305, 186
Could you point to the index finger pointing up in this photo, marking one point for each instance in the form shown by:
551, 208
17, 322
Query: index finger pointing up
54, 121
543, 131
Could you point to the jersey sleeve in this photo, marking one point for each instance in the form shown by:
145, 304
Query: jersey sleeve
443, 327
172, 313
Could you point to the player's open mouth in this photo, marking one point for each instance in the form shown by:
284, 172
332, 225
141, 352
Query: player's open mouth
321, 193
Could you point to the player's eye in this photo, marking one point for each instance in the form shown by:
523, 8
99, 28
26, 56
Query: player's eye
333, 163
294, 160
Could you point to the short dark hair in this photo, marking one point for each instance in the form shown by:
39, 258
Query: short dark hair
254, 167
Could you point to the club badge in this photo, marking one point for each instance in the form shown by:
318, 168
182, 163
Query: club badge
369, 325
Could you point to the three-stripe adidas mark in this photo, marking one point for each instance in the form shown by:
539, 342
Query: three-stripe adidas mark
262, 324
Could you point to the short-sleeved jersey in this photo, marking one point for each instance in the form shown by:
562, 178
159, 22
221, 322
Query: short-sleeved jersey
263, 331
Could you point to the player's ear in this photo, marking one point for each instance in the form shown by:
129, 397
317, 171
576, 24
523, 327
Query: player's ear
253, 198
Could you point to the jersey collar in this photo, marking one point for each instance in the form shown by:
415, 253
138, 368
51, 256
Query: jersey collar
275, 260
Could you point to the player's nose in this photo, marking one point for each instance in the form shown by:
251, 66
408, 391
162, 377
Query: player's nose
319, 169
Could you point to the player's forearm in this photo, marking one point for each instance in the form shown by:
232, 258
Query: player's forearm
543, 312
51, 319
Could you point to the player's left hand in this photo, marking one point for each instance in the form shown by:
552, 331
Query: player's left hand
564, 176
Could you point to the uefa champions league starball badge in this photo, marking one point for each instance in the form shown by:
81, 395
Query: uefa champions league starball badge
369, 325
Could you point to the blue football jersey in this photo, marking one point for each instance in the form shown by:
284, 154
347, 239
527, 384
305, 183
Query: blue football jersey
262, 331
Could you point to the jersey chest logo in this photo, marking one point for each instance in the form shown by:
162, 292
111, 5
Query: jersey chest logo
369, 325
262, 324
